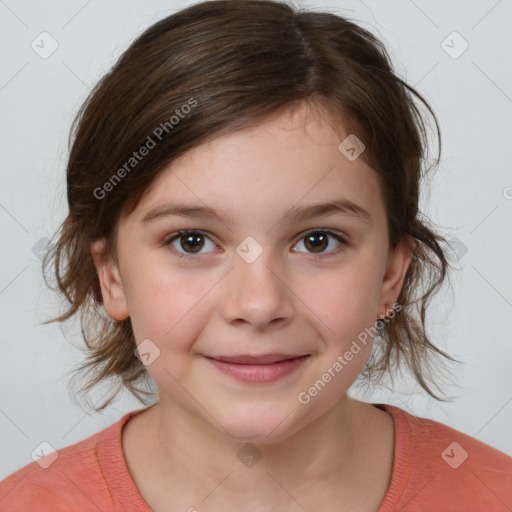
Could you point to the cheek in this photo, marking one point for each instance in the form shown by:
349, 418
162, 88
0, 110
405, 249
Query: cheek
345, 300
170, 311
166, 305
344, 304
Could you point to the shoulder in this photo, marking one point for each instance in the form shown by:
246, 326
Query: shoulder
69, 479
439, 468
437, 442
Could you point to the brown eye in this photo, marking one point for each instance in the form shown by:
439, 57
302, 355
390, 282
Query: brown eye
192, 241
188, 242
316, 242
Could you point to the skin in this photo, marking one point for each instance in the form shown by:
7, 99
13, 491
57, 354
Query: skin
334, 451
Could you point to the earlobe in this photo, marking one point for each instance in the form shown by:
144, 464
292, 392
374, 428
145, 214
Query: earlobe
112, 289
398, 263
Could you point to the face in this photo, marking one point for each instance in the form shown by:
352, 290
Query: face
272, 275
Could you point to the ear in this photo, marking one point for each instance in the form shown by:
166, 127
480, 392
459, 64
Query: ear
112, 289
398, 263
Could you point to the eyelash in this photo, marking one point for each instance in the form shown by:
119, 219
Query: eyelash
174, 236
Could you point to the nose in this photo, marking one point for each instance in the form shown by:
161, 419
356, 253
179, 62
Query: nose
257, 294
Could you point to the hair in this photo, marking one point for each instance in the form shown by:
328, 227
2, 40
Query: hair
212, 68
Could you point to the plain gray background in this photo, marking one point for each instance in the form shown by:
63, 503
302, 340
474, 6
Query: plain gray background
470, 199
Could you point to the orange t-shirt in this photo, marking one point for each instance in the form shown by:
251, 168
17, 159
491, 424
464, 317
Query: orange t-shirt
435, 468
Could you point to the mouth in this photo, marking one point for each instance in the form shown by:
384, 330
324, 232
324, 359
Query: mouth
260, 359
261, 368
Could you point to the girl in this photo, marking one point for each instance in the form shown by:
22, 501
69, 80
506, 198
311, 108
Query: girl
244, 231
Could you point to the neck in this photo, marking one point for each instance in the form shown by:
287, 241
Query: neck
179, 462
326, 449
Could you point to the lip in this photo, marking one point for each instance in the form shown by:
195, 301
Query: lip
264, 368
256, 359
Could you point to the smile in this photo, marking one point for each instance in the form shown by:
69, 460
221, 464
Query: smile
258, 368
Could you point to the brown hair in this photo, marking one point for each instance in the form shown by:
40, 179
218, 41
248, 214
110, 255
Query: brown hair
232, 63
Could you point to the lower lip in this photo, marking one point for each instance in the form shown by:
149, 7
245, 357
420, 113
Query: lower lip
259, 372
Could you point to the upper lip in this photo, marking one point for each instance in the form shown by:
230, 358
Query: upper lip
259, 359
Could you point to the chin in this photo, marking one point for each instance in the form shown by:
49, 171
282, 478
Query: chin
258, 424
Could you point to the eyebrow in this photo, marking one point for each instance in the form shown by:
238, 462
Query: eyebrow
294, 214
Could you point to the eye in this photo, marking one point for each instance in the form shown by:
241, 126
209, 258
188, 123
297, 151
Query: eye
193, 241
188, 240
318, 240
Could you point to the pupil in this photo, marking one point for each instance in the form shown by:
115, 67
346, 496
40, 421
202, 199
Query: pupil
316, 245
310, 240
189, 241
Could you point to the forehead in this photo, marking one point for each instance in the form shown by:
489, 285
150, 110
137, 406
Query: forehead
285, 160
